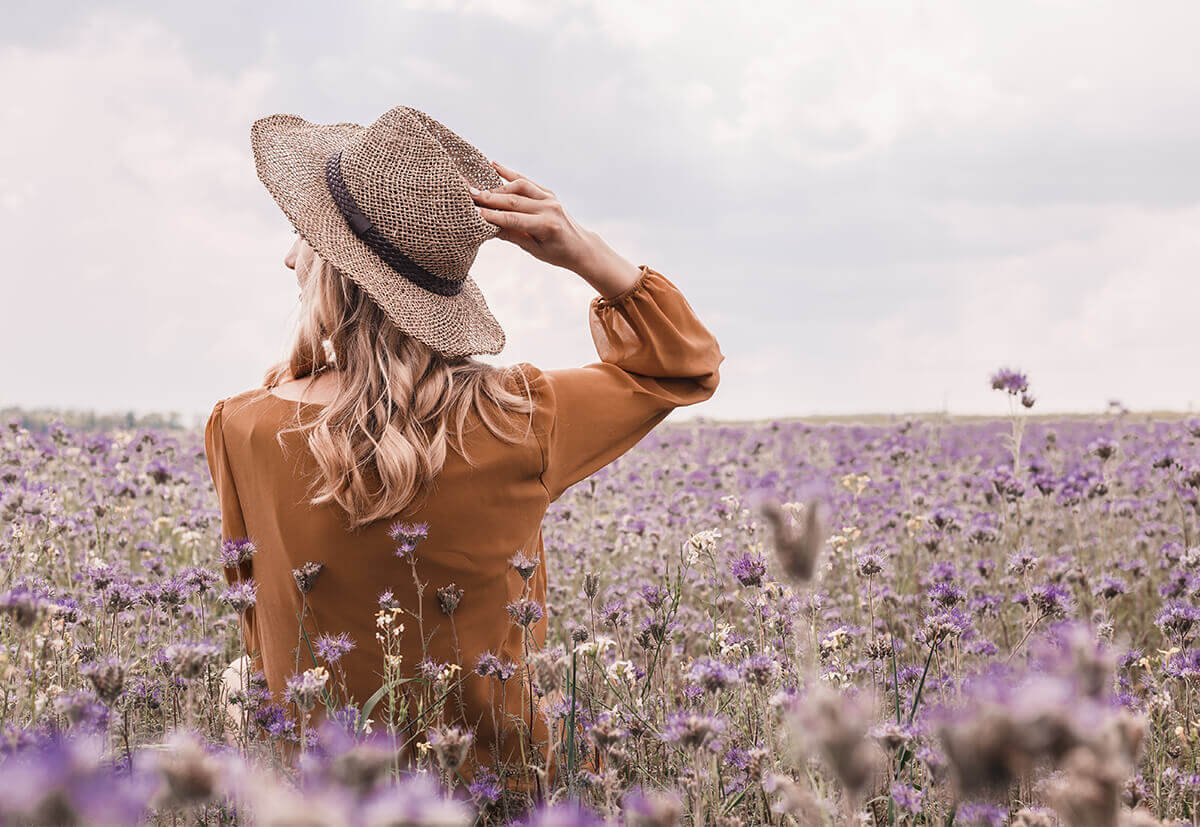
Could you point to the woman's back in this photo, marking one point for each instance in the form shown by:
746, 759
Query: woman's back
462, 535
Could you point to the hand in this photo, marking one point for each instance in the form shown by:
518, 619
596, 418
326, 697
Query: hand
531, 216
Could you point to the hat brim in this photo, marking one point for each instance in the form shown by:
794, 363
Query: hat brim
289, 157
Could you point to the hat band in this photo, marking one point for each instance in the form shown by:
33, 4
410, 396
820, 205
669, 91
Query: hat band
370, 235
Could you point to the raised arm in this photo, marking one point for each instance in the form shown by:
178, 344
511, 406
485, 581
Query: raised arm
656, 355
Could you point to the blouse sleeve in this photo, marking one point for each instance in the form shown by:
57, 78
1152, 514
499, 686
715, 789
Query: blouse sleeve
233, 524
655, 355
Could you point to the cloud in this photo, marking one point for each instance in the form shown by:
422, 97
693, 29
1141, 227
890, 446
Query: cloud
128, 209
872, 204
1088, 319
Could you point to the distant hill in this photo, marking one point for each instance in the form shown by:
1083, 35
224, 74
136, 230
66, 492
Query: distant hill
38, 419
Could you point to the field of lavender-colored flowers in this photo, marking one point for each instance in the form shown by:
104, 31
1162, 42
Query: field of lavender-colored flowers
908, 622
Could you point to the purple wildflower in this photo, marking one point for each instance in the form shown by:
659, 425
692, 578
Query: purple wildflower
908, 799
1177, 619
692, 730
407, 536
1010, 381
236, 551
749, 569
332, 648
525, 612
524, 566
713, 675
241, 595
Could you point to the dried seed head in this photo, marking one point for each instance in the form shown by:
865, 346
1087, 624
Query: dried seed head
797, 549
449, 597
306, 576
523, 565
450, 745
108, 677
591, 584
191, 775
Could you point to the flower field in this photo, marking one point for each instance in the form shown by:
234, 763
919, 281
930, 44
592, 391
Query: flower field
907, 622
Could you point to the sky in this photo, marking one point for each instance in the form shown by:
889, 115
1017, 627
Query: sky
873, 206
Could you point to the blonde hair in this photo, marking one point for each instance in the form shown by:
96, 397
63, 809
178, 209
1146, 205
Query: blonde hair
398, 406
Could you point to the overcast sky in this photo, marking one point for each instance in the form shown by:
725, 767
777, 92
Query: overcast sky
872, 205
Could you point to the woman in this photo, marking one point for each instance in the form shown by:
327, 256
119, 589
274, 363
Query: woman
382, 477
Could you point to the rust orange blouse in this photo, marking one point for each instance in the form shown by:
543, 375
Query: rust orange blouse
655, 355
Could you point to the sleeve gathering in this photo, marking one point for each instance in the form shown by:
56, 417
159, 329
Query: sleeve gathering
655, 355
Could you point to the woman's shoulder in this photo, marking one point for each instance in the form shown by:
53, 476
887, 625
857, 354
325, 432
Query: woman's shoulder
237, 405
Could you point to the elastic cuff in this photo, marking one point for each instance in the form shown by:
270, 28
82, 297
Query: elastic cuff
624, 295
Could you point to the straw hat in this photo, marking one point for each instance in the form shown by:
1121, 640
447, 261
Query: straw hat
388, 206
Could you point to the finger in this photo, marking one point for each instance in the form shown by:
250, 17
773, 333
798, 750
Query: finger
510, 201
523, 186
512, 175
532, 223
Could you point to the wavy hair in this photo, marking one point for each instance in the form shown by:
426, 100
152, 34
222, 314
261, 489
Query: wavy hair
399, 405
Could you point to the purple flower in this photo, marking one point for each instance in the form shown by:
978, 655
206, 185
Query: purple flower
713, 675
1051, 600
525, 612
306, 688
658, 807
760, 670
945, 595
524, 566
274, 721
563, 814
485, 787
83, 710
489, 664
107, 676
240, 596
236, 551
1184, 665
1177, 619
1010, 381
407, 535
981, 814
331, 648
1109, 587
908, 799
943, 624
868, 564
188, 659
24, 606
416, 798
654, 595
692, 730
66, 779
749, 569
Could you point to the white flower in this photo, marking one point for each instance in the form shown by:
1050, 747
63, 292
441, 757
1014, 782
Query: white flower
622, 670
701, 542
